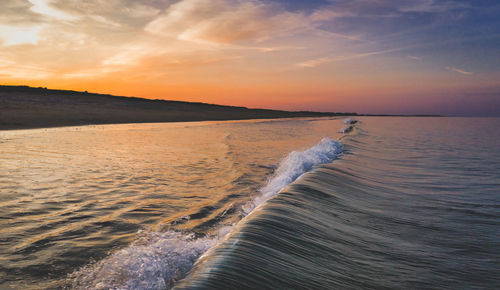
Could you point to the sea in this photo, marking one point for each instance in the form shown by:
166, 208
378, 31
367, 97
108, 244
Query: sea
309, 203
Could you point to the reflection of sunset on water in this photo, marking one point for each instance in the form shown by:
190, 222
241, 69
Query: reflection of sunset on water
81, 191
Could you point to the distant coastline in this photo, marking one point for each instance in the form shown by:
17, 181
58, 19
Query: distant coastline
23, 107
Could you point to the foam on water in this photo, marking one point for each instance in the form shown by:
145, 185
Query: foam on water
349, 125
396, 224
153, 261
346, 129
157, 259
294, 165
350, 121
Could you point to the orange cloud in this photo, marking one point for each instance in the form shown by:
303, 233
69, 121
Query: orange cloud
242, 52
222, 21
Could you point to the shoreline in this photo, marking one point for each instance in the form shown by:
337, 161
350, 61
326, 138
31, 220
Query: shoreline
3, 128
23, 107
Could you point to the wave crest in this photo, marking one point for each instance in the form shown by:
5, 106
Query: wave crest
350, 121
293, 166
157, 259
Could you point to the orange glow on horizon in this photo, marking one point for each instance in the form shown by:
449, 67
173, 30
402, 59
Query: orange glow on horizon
243, 53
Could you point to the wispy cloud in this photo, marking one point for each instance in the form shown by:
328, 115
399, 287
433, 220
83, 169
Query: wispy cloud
222, 21
460, 71
15, 35
329, 34
246, 48
45, 8
11, 69
315, 62
320, 61
431, 6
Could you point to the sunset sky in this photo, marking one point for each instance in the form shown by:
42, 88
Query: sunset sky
366, 56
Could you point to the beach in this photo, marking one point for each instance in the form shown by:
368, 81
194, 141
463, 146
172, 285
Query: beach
25, 107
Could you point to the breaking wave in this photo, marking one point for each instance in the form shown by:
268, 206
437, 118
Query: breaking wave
293, 166
349, 125
157, 259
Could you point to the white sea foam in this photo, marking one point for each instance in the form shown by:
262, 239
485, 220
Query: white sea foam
346, 129
157, 259
350, 121
153, 261
294, 165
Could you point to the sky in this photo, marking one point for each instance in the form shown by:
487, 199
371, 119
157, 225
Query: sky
365, 56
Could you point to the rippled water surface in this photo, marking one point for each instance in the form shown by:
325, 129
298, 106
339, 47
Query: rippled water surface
72, 195
388, 203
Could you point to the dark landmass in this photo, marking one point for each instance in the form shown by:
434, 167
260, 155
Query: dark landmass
23, 107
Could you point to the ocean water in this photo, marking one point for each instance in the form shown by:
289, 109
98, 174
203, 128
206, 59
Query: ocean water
384, 202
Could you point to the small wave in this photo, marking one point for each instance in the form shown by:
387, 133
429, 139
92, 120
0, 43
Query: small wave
346, 129
294, 165
157, 259
153, 261
349, 125
350, 121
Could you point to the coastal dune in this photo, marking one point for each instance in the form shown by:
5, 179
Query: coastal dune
23, 107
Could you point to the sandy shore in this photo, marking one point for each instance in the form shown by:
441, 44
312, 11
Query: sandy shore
26, 107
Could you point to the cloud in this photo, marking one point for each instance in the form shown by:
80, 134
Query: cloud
18, 13
315, 62
131, 55
80, 39
460, 71
15, 35
431, 6
329, 34
125, 12
320, 61
45, 8
12, 69
223, 21
329, 13
394, 8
